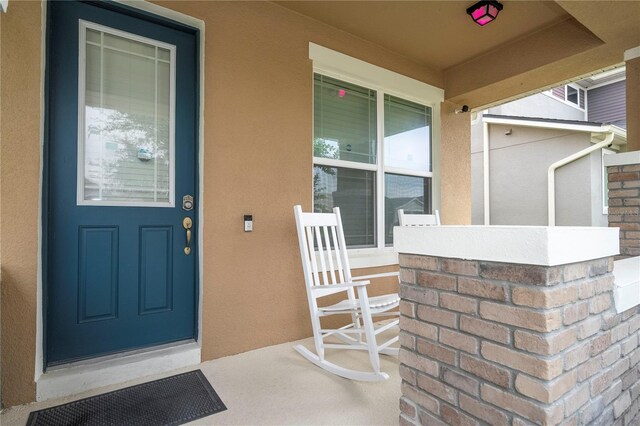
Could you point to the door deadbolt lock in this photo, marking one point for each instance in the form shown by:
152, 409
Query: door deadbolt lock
187, 223
187, 203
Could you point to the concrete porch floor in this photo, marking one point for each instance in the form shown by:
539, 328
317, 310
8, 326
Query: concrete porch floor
277, 386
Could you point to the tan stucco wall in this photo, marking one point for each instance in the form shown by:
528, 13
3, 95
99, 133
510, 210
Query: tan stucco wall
455, 163
258, 127
633, 104
20, 81
258, 124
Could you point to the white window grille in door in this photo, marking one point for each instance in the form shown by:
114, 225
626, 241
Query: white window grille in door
126, 99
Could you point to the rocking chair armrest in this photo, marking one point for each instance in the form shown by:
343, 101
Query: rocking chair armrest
343, 286
380, 275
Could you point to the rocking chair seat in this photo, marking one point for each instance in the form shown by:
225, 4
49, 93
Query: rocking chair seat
348, 306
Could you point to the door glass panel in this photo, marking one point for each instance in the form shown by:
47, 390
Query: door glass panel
126, 147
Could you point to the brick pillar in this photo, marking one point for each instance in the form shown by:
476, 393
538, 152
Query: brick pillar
624, 200
500, 343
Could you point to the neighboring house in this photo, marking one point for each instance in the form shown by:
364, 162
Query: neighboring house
528, 135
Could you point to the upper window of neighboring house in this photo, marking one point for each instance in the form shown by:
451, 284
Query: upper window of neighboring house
571, 94
372, 156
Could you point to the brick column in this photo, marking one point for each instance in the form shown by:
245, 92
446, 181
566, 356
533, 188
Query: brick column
507, 343
624, 200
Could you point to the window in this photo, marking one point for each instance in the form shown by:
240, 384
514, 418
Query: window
574, 95
372, 156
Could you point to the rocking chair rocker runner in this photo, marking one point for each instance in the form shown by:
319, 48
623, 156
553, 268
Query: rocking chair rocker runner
326, 271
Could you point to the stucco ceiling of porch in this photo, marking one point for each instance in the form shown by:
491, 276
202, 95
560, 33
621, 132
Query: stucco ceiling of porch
531, 46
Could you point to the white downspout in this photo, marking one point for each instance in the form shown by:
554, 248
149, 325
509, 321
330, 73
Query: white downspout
552, 169
486, 180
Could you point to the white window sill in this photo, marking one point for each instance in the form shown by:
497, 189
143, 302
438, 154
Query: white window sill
370, 257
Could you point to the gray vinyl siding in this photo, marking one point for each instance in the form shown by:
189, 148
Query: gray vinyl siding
607, 104
558, 92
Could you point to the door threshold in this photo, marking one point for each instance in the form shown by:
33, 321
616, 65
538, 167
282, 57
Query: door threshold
77, 377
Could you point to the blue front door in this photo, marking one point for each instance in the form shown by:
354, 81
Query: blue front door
120, 263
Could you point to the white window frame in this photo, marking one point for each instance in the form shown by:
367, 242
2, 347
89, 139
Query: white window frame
566, 91
82, 28
577, 89
603, 169
351, 70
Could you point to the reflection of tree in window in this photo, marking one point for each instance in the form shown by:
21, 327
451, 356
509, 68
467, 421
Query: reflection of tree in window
323, 149
127, 113
119, 166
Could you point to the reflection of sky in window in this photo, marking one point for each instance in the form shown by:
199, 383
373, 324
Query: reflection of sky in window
408, 150
399, 186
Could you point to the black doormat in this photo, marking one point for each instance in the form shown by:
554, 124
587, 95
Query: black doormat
173, 400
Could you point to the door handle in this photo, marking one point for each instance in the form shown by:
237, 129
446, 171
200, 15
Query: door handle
186, 224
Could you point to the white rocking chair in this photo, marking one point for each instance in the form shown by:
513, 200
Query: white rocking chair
418, 219
326, 271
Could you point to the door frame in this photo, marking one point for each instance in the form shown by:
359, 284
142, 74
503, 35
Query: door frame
158, 14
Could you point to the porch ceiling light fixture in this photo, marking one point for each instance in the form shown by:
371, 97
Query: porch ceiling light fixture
484, 11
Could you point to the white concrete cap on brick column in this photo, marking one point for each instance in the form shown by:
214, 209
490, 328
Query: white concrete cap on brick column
622, 159
627, 278
530, 245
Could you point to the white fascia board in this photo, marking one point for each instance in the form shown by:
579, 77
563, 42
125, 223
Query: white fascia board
619, 137
606, 83
632, 54
547, 125
607, 74
528, 245
619, 131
